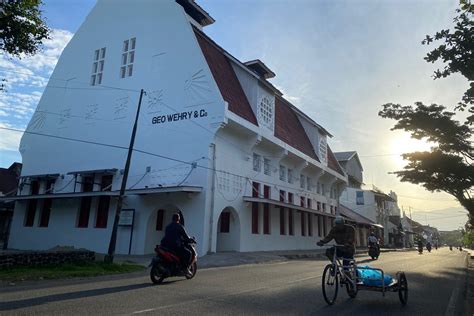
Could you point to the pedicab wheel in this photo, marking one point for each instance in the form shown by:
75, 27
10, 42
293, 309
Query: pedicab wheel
330, 284
402, 287
156, 276
193, 269
351, 290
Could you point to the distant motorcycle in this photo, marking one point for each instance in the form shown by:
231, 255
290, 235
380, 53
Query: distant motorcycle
428, 247
451, 248
167, 264
374, 251
420, 248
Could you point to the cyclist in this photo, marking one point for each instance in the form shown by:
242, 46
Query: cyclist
343, 234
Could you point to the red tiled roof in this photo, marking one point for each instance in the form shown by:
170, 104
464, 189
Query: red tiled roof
332, 162
225, 78
288, 128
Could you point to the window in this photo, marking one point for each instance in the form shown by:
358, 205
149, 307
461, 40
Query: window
225, 222
31, 208
86, 202
323, 191
323, 150
302, 200
290, 198
324, 207
302, 181
360, 197
160, 214
50, 186
335, 209
282, 196
308, 183
332, 209
255, 189
282, 173
266, 166
318, 206
45, 213
265, 110
98, 66
282, 221
104, 202
128, 58
256, 163
254, 218
290, 175
308, 203
266, 210
318, 190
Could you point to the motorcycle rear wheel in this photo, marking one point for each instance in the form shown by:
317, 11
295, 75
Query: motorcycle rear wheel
156, 276
193, 269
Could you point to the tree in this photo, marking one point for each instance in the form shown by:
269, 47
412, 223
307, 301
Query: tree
22, 28
457, 52
448, 166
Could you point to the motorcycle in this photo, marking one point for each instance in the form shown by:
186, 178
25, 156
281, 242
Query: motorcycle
420, 249
167, 264
451, 248
428, 247
374, 251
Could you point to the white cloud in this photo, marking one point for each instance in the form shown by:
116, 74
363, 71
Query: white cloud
25, 80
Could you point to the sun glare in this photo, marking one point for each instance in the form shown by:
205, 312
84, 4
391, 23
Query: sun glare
403, 143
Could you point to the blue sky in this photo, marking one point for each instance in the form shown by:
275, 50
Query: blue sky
338, 61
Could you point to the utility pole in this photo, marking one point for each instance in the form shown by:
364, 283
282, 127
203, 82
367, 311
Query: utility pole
113, 238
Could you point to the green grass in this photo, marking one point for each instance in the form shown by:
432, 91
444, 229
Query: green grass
66, 271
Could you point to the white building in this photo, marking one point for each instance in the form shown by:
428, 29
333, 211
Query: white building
215, 141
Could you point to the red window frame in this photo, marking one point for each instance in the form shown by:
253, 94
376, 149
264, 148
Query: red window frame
282, 221
86, 202
303, 223
254, 218
104, 203
282, 196
290, 222
255, 189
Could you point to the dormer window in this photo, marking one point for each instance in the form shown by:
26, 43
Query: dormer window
265, 112
323, 150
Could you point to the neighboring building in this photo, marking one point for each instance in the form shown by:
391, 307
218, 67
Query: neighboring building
216, 141
8, 187
408, 237
350, 162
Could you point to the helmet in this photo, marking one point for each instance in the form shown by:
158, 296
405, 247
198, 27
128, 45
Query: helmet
372, 234
339, 220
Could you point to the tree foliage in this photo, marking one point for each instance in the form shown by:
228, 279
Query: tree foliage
22, 28
457, 53
448, 166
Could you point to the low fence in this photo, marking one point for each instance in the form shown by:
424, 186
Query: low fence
22, 259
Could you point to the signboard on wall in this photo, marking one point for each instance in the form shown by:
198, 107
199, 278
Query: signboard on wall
126, 217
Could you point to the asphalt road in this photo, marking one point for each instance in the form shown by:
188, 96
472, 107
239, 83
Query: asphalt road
286, 288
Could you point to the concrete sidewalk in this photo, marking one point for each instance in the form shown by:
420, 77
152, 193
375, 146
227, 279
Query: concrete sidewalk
226, 259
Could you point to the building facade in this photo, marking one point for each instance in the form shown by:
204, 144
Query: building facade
216, 141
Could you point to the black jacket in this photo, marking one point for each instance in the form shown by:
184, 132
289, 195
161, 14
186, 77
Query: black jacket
175, 236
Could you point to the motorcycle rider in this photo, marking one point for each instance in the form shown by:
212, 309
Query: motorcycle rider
175, 240
343, 234
373, 240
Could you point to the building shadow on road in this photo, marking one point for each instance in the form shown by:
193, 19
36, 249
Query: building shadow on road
12, 305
